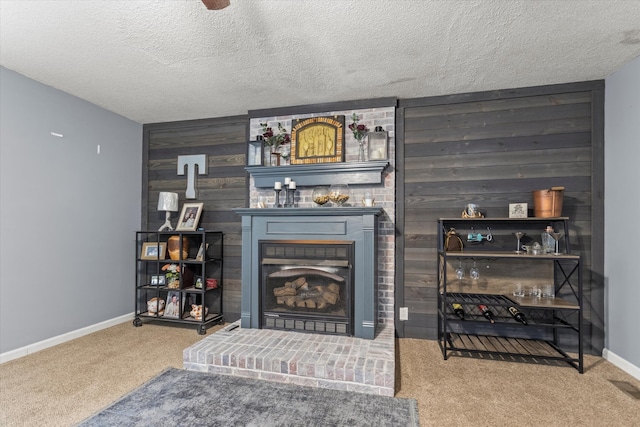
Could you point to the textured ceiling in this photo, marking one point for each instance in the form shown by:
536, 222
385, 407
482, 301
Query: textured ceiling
156, 61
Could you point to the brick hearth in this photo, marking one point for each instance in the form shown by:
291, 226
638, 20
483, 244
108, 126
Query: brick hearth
315, 360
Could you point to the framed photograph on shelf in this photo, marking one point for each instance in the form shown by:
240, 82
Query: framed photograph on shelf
172, 308
201, 251
190, 217
317, 140
153, 250
157, 280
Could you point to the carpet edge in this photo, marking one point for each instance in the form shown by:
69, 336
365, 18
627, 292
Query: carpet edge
124, 396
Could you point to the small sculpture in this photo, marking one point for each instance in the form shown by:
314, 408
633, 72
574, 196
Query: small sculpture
155, 306
196, 311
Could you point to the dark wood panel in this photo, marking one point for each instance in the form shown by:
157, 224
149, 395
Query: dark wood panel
492, 186
461, 98
555, 171
486, 105
504, 143
221, 190
508, 114
579, 124
491, 148
523, 159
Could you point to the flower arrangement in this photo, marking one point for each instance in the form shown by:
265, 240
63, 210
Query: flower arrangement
359, 130
275, 139
172, 275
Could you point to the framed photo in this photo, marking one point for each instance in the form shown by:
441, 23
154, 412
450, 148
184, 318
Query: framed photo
172, 308
190, 217
153, 250
317, 140
157, 280
201, 251
518, 210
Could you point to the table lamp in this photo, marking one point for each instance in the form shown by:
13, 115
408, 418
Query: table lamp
167, 202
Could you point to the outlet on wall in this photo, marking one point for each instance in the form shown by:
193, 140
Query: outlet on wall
404, 313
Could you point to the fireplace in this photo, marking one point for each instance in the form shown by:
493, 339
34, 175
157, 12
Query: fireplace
332, 250
306, 285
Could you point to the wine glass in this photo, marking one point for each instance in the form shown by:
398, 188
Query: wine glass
519, 235
556, 236
460, 270
474, 272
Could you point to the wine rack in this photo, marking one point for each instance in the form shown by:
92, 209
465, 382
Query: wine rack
553, 329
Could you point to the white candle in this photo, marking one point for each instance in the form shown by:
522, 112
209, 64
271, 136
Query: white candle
292, 185
287, 180
277, 185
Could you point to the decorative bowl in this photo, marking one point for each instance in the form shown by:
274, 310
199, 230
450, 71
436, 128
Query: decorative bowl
339, 194
320, 196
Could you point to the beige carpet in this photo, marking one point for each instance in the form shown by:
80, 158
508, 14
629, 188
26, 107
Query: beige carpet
63, 385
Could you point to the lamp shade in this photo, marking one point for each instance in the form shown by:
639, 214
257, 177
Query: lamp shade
168, 202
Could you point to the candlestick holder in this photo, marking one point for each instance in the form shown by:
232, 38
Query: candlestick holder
277, 204
291, 196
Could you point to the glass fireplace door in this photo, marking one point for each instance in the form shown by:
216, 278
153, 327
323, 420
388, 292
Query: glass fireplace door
307, 285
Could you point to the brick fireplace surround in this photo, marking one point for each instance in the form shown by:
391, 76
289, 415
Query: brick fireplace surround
311, 359
364, 362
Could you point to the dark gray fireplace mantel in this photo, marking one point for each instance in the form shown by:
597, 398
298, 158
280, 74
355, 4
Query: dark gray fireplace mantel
356, 224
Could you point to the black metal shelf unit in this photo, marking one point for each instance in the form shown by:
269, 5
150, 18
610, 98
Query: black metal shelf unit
548, 320
198, 289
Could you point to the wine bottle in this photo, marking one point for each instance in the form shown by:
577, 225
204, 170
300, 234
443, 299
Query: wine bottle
517, 315
458, 310
488, 314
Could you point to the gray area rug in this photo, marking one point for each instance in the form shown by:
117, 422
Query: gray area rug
180, 397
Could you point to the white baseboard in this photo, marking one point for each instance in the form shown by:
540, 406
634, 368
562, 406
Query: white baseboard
41, 345
621, 363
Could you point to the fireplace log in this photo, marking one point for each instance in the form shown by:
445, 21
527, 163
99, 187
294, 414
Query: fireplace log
299, 282
284, 291
328, 293
315, 297
334, 287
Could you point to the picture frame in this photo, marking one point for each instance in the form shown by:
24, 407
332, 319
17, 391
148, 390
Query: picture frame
518, 210
158, 280
153, 250
172, 308
317, 140
201, 251
189, 217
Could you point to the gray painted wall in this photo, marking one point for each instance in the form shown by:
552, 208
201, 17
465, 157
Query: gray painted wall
622, 205
67, 214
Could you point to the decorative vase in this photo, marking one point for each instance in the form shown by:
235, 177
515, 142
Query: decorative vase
275, 158
267, 154
285, 155
173, 245
172, 280
339, 193
362, 152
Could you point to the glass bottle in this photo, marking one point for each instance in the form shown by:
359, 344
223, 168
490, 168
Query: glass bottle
548, 243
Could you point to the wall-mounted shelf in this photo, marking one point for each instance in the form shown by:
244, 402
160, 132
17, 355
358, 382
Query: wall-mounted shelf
320, 174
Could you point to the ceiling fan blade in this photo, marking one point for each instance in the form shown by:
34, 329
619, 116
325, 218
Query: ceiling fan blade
216, 4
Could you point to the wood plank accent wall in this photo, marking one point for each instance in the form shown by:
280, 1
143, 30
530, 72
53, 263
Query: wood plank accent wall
495, 148
221, 190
